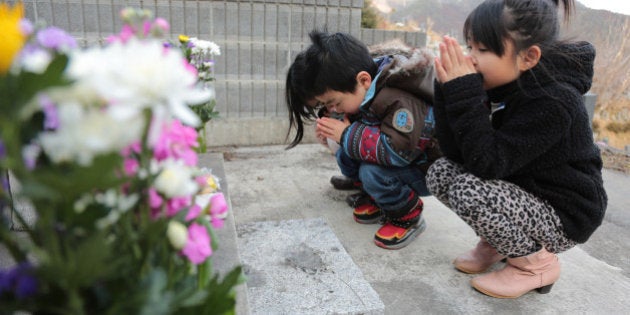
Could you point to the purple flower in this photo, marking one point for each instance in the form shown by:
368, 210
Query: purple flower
3, 150
51, 117
19, 281
55, 38
30, 152
26, 26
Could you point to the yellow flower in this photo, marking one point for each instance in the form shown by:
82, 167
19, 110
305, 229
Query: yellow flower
11, 37
210, 187
183, 38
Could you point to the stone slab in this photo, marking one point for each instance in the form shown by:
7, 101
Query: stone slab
300, 267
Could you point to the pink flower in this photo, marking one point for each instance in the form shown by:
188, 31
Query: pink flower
130, 163
131, 166
193, 213
146, 28
125, 35
155, 202
218, 209
190, 68
177, 141
162, 24
198, 247
132, 148
201, 180
216, 222
218, 205
174, 205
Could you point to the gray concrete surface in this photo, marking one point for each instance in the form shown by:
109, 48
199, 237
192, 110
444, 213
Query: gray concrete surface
270, 184
300, 266
303, 253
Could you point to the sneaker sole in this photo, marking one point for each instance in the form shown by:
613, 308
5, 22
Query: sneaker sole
370, 221
420, 227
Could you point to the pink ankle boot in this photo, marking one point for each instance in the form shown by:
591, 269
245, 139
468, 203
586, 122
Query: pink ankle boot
478, 259
538, 271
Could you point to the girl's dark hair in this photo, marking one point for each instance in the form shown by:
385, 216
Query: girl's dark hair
331, 62
524, 22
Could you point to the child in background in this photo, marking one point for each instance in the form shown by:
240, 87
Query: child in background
528, 180
385, 136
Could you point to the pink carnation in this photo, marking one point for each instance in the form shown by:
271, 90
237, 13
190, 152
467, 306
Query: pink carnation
130, 163
155, 203
218, 209
162, 24
131, 166
124, 36
218, 205
177, 141
198, 247
190, 68
176, 204
193, 213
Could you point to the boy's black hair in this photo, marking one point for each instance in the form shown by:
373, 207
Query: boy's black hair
331, 62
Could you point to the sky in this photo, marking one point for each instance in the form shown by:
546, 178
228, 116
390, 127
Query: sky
618, 6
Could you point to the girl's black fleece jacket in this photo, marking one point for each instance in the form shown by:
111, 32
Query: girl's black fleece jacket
542, 139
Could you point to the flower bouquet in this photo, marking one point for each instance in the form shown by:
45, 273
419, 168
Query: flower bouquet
102, 141
200, 54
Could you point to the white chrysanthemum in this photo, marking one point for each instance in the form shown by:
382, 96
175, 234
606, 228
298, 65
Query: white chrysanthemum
84, 133
175, 179
203, 46
138, 75
36, 61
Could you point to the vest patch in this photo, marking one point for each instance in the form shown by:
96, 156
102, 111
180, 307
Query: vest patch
403, 120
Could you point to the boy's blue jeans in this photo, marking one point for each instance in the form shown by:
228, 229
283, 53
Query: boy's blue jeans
389, 186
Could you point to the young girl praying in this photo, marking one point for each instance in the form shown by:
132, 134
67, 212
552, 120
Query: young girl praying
520, 164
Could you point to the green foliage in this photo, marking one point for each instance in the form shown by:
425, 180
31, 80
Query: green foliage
205, 111
370, 17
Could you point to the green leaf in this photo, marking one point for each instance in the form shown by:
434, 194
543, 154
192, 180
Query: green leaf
70, 181
158, 299
221, 297
205, 111
78, 262
18, 90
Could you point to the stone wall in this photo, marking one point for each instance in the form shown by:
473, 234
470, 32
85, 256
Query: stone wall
258, 40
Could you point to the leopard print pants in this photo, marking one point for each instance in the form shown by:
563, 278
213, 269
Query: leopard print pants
512, 220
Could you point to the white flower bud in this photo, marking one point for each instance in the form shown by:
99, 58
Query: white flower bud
177, 234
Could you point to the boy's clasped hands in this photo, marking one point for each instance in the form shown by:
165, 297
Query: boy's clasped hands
331, 128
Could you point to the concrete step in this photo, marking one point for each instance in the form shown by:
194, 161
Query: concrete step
226, 257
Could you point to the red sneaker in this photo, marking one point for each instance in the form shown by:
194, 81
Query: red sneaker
398, 233
367, 213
